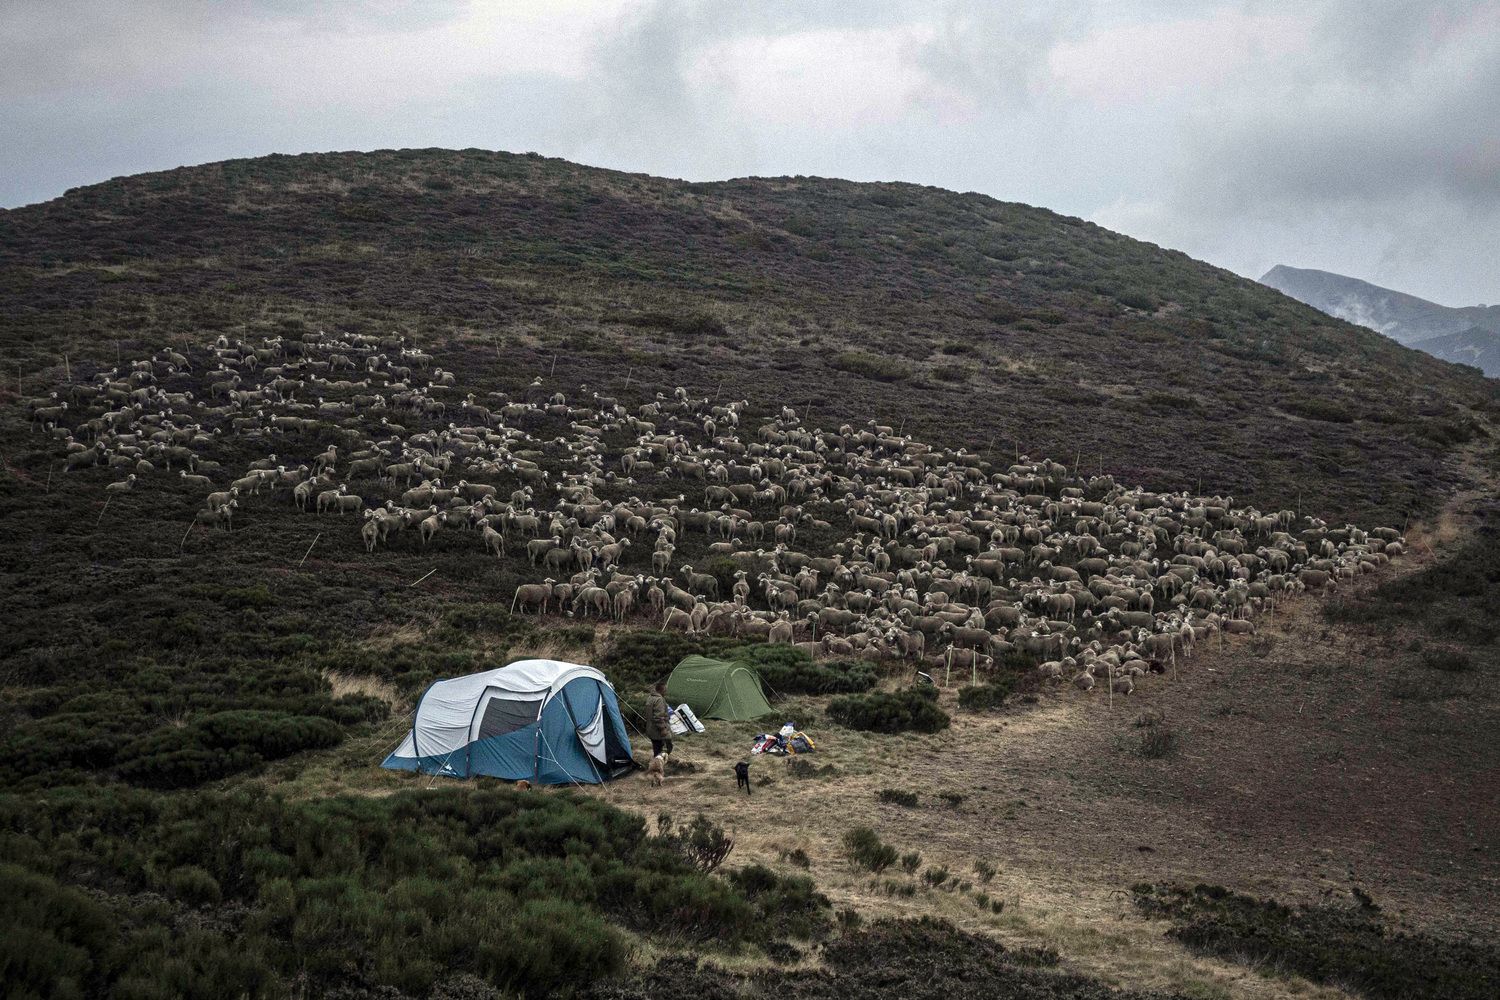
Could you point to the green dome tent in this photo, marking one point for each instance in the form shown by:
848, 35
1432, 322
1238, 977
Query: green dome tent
718, 689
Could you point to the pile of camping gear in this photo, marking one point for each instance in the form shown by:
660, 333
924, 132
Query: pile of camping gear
788, 742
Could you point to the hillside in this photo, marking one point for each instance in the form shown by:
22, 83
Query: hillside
296, 437
1467, 335
1014, 327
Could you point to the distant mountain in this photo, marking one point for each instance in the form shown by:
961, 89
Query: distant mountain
1467, 335
1480, 348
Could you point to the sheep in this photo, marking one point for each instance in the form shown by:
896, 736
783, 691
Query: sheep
1161, 645
539, 547
493, 540
610, 554
528, 594
623, 603
328, 499
554, 559
429, 526
370, 531
929, 536
593, 597
702, 583
122, 486
661, 559
678, 620
216, 516
83, 459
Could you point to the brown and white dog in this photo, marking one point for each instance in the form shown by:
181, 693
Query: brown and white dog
657, 769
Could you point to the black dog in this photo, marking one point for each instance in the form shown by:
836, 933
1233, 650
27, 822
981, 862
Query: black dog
742, 776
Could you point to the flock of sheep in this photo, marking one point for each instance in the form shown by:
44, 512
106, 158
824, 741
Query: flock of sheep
848, 542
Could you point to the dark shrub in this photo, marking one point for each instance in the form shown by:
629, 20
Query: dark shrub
987, 696
787, 670
865, 848
1347, 945
1158, 739
702, 842
222, 744
515, 888
1447, 658
911, 709
193, 885
897, 797
788, 904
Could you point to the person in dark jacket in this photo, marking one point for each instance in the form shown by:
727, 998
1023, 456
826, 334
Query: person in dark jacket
658, 720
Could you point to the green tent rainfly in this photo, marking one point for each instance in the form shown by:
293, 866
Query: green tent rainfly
718, 689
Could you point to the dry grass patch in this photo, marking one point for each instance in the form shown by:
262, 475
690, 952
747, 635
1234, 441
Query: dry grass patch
346, 684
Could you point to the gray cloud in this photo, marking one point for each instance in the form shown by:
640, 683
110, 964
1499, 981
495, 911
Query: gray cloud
1354, 137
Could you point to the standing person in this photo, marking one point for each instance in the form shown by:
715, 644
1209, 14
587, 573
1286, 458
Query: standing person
658, 720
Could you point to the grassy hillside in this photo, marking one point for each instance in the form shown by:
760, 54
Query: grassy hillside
190, 719
978, 322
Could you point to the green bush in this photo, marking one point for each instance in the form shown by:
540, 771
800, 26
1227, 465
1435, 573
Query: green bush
865, 848
788, 903
193, 885
687, 324
397, 893
55, 941
910, 709
222, 744
897, 797
703, 842
988, 696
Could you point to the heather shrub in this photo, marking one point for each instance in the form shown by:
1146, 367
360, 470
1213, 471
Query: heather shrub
910, 709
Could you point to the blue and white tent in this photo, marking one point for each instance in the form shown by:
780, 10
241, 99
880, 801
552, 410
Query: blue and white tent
549, 722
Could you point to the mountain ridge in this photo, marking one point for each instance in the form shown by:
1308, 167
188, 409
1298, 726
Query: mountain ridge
1463, 335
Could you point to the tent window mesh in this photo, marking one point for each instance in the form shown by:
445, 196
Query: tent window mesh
503, 715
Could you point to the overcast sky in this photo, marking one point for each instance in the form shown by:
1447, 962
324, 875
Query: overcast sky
1360, 137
